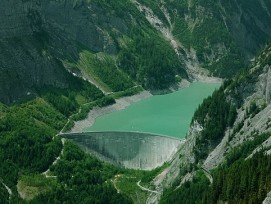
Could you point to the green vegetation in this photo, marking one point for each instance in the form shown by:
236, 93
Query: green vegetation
128, 185
67, 101
33, 185
244, 181
128, 92
236, 181
81, 179
28, 147
244, 150
102, 69
198, 24
26, 144
191, 192
143, 55
210, 36
85, 108
149, 60
3, 194
221, 114
127, 181
240, 179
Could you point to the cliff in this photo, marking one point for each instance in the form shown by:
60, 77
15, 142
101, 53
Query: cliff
215, 145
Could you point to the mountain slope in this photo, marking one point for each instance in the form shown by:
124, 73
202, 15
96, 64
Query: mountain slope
116, 45
92, 40
229, 143
60, 57
217, 35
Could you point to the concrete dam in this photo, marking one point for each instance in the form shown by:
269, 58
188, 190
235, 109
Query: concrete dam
134, 150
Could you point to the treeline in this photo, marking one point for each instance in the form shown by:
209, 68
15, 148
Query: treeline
150, 60
27, 147
236, 181
143, 53
81, 179
215, 114
244, 181
191, 192
209, 37
26, 143
66, 100
103, 68
4, 196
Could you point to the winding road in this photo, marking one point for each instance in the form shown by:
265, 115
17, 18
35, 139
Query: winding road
54, 162
145, 189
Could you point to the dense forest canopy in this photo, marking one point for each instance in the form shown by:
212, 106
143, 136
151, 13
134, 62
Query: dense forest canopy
59, 59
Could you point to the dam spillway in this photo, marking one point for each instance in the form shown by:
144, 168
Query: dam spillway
133, 150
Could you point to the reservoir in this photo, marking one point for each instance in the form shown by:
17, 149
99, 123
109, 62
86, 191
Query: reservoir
168, 114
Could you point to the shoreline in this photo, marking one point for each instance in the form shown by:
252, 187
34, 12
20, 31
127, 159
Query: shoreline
120, 104
125, 102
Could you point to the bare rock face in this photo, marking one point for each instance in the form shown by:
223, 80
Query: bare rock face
267, 84
267, 200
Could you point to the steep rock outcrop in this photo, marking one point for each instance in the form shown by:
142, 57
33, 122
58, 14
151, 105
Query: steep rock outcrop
250, 93
223, 35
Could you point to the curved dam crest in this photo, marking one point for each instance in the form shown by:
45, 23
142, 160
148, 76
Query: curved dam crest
133, 150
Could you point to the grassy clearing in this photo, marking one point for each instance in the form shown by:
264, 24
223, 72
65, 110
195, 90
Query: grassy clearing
127, 183
31, 186
101, 68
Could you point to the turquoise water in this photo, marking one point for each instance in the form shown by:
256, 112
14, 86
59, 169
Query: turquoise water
168, 114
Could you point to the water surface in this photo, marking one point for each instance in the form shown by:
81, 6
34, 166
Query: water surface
168, 114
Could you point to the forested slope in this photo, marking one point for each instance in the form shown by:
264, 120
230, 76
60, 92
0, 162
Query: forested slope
118, 44
109, 43
220, 36
60, 57
29, 145
233, 144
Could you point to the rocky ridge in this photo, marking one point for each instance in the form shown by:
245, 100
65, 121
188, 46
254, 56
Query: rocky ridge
252, 87
187, 56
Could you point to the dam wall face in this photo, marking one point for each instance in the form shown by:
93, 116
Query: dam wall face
132, 150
